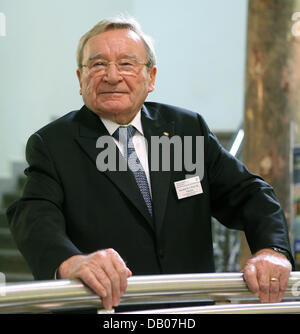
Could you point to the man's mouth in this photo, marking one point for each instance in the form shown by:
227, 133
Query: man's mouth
111, 92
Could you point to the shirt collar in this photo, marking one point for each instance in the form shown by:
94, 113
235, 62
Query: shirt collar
112, 126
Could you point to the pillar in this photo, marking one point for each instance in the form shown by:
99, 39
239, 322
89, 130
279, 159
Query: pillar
272, 97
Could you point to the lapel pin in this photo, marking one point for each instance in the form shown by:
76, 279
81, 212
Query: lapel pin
166, 133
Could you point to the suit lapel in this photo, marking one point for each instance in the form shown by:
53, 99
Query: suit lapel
155, 125
90, 129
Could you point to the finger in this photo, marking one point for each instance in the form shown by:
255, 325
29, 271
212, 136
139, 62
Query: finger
274, 291
91, 275
115, 284
250, 277
90, 279
110, 278
263, 279
104, 280
274, 283
129, 273
283, 282
122, 270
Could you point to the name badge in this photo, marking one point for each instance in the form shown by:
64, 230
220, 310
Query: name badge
188, 187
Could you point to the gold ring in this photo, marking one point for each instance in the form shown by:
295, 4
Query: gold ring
274, 279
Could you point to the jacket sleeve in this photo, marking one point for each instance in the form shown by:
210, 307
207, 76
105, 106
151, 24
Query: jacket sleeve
37, 221
242, 200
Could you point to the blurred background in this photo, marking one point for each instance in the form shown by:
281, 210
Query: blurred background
201, 48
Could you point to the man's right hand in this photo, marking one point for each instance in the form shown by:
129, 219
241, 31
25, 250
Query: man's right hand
103, 271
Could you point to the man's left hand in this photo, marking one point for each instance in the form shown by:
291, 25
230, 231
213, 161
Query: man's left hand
267, 274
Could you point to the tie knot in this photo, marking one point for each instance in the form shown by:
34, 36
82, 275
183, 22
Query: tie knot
124, 133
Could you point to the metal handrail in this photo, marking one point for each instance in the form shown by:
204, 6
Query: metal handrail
44, 296
268, 308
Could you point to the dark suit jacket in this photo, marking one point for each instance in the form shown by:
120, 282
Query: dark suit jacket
69, 207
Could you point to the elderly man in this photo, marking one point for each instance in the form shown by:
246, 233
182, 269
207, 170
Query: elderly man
75, 220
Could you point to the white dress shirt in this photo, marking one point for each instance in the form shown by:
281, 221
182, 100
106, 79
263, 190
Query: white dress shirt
139, 141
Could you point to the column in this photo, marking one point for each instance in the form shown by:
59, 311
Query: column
272, 97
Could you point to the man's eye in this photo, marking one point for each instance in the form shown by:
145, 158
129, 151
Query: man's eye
99, 64
126, 63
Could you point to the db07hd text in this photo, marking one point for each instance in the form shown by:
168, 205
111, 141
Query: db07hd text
170, 323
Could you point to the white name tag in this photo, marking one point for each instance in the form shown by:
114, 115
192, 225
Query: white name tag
188, 187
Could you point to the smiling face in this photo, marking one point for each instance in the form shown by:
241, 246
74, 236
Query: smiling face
109, 93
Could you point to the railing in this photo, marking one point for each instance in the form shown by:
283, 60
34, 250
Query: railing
46, 296
272, 308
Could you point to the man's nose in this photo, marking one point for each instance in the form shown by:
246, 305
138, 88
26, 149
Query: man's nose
112, 74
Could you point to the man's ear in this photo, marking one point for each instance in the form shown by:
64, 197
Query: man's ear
152, 77
79, 78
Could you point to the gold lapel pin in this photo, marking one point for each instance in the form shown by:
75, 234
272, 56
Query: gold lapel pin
166, 133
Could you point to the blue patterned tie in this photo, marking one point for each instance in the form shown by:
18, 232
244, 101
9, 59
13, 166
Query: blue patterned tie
124, 135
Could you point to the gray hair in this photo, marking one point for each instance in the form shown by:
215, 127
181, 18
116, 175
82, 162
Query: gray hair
113, 24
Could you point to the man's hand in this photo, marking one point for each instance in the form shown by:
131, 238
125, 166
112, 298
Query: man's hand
104, 272
267, 274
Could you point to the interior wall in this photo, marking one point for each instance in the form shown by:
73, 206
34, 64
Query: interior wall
200, 46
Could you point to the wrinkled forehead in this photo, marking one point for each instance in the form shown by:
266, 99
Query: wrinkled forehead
112, 44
